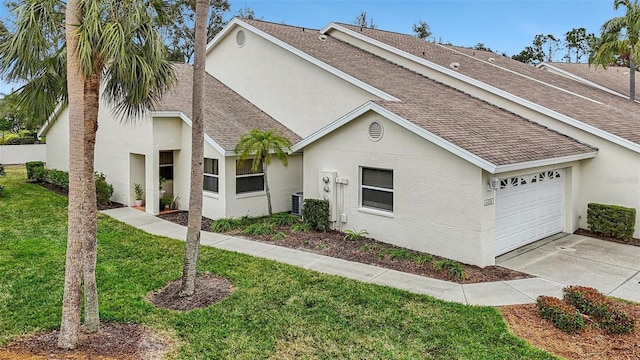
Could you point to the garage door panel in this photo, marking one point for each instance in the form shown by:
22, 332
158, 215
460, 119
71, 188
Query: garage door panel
529, 208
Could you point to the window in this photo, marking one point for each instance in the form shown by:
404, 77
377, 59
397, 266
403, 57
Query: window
377, 189
166, 164
210, 175
247, 180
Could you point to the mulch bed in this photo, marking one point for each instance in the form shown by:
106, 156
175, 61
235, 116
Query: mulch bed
632, 241
210, 289
113, 341
64, 192
367, 251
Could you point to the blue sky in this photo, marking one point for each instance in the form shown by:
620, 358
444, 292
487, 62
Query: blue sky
503, 25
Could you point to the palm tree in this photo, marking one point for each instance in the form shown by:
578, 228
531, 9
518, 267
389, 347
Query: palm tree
620, 36
261, 145
190, 267
110, 44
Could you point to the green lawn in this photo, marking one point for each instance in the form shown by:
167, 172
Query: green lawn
276, 311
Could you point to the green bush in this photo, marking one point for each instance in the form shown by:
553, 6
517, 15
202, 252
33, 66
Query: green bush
354, 235
26, 140
55, 177
225, 225
611, 220
2, 173
562, 315
284, 219
452, 267
603, 310
31, 166
260, 229
301, 227
104, 190
316, 213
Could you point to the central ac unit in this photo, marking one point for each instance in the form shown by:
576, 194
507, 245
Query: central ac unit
296, 203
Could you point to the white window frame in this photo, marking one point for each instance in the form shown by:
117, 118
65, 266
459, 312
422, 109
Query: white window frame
369, 187
217, 176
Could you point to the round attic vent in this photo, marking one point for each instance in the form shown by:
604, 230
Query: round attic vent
322, 37
240, 38
454, 65
375, 131
491, 59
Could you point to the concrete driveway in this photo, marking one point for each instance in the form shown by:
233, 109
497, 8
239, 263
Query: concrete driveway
612, 268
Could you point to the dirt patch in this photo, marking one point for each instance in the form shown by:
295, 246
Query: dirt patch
113, 341
210, 289
182, 218
592, 343
368, 251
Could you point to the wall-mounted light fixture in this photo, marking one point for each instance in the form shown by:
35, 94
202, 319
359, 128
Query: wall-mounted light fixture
494, 184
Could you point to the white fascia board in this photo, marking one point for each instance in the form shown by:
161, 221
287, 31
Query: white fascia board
579, 79
496, 91
427, 135
181, 115
52, 118
544, 162
342, 75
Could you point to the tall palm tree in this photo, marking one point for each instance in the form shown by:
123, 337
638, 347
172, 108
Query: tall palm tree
189, 270
109, 44
261, 145
619, 36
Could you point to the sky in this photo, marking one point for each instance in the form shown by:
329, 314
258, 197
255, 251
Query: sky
503, 25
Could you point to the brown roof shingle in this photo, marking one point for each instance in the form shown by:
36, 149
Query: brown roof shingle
227, 115
491, 133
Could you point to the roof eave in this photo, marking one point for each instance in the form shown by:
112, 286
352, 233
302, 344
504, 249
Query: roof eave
545, 162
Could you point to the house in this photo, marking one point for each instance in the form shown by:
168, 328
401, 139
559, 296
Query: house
456, 152
159, 145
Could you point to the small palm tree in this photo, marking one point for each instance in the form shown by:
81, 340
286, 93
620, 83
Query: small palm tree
620, 36
261, 145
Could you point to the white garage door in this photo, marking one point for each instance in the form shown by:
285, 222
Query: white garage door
529, 208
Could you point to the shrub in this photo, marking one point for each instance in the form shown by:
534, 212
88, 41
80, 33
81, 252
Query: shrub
284, 219
104, 190
423, 259
603, 310
226, 225
2, 173
316, 213
301, 227
354, 235
562, 315
31, 165
611, 220
279, 236
452, 267
26, 140
259, 229
55, 177
396, 254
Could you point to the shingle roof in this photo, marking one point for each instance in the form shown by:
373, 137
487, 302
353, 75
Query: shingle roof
581, 102
227, 115
615, 78
485, 130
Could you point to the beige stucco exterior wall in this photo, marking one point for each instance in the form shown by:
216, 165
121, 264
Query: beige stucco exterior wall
58, 142
613, 177
297, 93
438, 197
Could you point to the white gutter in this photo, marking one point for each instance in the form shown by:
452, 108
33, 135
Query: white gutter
358, 83
493, 90
544, 162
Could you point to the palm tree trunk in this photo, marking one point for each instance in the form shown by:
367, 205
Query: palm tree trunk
632, 76
266, 188
190, 268
89, 244
72, 298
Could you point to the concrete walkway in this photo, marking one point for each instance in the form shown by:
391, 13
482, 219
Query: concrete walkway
572, 260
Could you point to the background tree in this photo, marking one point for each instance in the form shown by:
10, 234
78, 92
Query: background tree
190, 268
363, 21
111, 40
541, 49
261, 145
579, 41
620, 36
422, 30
